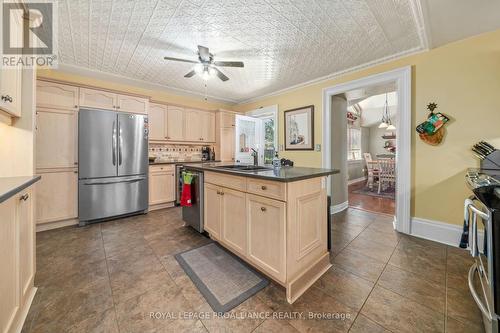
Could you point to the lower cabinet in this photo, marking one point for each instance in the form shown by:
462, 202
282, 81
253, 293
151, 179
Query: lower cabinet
161, 185
233, 222
57, 195
250, 225
266, 234
212, 210
17, 264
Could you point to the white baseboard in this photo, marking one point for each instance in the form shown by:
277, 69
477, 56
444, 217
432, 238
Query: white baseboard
357, 180
338, 208
55, 225
440, 232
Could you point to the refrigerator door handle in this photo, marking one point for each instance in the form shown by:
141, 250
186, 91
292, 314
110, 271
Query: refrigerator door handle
120, 142
113, 143
136, 179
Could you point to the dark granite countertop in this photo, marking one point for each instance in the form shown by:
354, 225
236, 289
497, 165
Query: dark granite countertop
10, 186
181, 162
283, 174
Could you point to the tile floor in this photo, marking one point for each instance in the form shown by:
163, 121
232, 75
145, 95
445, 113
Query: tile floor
110, 277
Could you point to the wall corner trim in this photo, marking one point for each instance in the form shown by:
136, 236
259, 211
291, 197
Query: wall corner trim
338, 208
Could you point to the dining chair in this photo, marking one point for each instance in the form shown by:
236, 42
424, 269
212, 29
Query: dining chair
372, 170
386, 174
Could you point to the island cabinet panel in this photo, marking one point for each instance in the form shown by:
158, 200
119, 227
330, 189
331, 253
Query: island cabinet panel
26, 227
307, 225
233, 220
266, 188
266, 235
228, 181
212, 210
56, 96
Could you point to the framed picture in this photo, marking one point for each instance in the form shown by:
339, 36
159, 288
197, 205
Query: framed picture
299, 128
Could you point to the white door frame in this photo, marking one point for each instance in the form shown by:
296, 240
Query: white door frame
402, 77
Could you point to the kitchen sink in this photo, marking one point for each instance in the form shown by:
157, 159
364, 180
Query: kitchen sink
239, 167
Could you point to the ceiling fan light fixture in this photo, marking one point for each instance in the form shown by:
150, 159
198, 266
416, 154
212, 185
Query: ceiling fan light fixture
391, 127
206, 75
383, 125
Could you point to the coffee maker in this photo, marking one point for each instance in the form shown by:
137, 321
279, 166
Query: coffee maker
205, 153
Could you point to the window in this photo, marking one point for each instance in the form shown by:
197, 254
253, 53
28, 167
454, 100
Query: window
269, 135
353, 143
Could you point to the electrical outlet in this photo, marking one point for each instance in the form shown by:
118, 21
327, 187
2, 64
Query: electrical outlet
317, 147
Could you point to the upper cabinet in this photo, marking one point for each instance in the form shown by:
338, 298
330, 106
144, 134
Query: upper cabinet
101, 99
156, 115
174, 123
134, 104
10, 78
199, 126
97, 99
56, 96
227, 119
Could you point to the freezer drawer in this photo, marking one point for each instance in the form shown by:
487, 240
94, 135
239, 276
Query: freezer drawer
108, 197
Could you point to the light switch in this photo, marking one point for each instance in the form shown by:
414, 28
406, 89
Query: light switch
317, 147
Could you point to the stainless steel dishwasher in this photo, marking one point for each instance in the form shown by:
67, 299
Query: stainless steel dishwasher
193, 216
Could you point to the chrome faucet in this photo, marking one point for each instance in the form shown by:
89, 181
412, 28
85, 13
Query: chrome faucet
255, 155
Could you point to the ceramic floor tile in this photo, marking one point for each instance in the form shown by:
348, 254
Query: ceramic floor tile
359, 264
398, 314
363, 325
427, 266
409, 285
345, 287
373, 248
275, 326
455, 326
462, 307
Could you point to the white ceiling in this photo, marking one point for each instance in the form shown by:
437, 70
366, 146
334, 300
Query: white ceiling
282, 42
372, 108
450, 20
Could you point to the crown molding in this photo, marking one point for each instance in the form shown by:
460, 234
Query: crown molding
138, 83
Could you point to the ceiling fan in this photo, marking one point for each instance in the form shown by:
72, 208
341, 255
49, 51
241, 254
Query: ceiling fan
206, 66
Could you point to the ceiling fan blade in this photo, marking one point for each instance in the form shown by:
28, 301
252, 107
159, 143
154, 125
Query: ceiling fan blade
220, 74
183, 60
229, 63
204, 53
190, 74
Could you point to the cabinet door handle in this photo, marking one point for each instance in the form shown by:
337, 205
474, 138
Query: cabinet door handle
76, 106
7, 98
76, 163
24, 197
263, 187
218, 192
118, 107
263, 209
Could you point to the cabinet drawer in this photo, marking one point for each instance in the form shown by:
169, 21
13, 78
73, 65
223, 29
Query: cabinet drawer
161, 168
275, 190
229, 181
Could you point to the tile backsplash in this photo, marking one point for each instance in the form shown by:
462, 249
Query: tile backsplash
167, 153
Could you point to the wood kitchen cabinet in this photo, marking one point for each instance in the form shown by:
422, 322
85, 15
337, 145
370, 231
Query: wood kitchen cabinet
174, 123
133, 104
56, 138
266, 235
227, 119
209, 127
278, 227
193, 125
156, 115
225, 127
17, 262
57, 195
161, 184
99, 99
212, 210
53, 95
233, 221
11, 77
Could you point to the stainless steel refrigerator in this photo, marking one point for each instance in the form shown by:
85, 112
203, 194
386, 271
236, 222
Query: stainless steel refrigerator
112, 164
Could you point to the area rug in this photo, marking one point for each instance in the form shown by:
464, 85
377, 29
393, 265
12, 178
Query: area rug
222, 278
388, 194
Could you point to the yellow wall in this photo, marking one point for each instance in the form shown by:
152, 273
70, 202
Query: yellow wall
464, 79
158, 95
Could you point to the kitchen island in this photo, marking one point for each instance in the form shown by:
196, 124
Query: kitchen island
274, 219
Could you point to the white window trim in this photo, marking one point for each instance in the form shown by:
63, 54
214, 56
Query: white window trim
264, 112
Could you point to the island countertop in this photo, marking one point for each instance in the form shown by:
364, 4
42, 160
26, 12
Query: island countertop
282, 174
